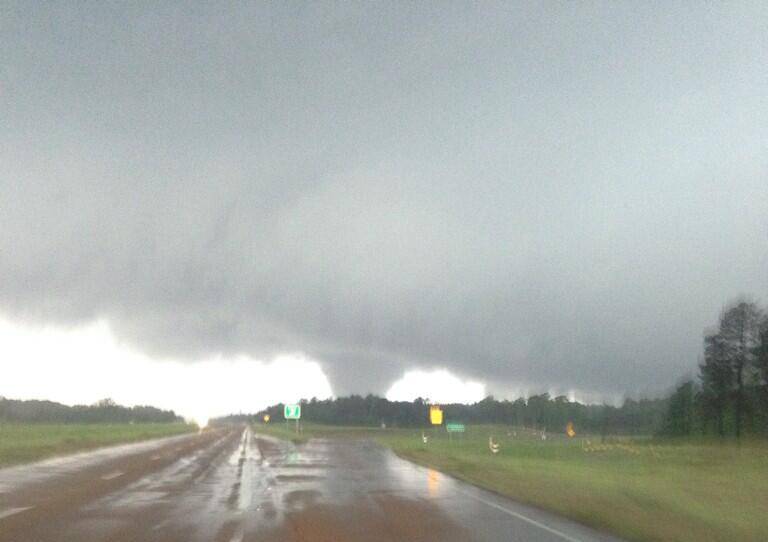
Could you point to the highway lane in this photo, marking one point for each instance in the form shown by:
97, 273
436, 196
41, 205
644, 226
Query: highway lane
231, 485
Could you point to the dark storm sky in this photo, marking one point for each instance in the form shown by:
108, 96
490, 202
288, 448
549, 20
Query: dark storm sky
556, 195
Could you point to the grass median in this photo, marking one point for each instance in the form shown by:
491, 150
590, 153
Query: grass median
640, 489
24, 443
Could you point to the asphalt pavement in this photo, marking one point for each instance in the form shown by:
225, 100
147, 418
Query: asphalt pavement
231, 485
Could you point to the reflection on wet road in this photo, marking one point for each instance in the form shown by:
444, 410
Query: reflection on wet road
235, 486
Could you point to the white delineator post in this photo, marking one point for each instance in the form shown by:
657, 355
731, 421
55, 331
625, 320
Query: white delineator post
493, 446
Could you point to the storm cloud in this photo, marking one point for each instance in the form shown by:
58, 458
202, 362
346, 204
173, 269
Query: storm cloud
538, 196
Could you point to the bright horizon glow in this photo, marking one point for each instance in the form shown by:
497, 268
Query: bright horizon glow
85, 364
439, 386
82, 365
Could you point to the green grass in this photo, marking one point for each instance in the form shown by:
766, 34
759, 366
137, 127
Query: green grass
23, 443
637, 488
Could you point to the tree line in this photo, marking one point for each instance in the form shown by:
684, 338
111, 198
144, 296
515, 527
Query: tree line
104, 411
730, 396
540, 412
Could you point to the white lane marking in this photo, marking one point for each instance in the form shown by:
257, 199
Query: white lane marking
156, 457
112, 475
242, 449
12, 511
522, 517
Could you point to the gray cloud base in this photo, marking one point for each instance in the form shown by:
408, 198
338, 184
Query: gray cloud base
539, 197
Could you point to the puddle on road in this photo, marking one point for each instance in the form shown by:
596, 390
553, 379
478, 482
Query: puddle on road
128, 499
317, 465
297, 478
300, 499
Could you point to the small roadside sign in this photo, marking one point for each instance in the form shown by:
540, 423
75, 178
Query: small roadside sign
266, 418
569, 430
455, 427
292, 412
435, 415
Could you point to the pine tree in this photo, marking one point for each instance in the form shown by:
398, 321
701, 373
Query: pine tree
680, 414
716, 379
761, 362
740, 331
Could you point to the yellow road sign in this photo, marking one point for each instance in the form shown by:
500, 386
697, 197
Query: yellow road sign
435, 415
266, 418
569, 430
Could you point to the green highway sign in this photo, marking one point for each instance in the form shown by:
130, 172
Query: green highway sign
292, 412
454, 427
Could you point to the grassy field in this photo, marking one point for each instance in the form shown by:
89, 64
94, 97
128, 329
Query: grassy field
637, 488
22, 443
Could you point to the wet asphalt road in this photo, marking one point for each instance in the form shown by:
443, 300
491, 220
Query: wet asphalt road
233, 486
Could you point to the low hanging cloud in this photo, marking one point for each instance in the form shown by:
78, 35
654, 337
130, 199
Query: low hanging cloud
87, 364
535, 197
436, 387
